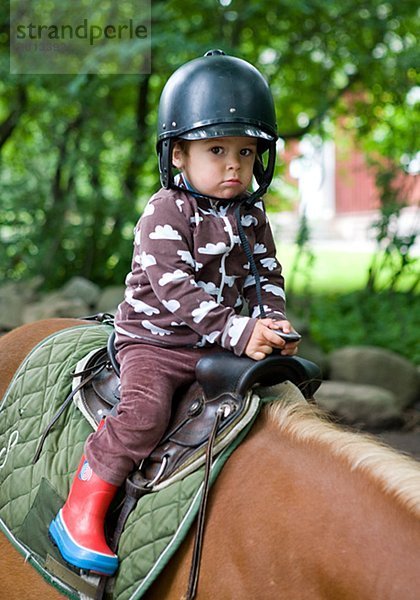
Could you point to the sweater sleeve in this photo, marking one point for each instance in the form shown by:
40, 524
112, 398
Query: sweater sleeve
163, 247
271, 278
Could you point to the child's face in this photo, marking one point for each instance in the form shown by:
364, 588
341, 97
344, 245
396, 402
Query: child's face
220, 167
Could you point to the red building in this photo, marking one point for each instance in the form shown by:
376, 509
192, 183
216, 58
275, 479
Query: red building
338, 173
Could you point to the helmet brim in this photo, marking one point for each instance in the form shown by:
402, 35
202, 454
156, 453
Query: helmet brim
226, 130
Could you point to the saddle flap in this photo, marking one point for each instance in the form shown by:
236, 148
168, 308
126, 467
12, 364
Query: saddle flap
193, 417
223, 382
183, 449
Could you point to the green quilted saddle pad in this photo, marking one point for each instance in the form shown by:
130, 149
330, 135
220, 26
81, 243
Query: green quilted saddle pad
31, 494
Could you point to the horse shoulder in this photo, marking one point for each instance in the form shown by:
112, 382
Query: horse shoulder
241, 548
18, 580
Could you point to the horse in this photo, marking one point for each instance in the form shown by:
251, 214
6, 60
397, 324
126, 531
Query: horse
302, 510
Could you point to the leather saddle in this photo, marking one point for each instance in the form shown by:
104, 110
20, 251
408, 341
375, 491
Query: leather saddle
224, 383
206, 417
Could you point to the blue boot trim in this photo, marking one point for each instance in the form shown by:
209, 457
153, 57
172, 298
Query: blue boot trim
78, 555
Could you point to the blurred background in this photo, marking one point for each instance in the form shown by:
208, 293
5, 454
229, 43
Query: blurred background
78, 164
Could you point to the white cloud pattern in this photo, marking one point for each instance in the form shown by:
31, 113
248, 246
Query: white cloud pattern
202, 311
269, 263
170, 277
239, 301
186, 257
195, 220
209, 287
219, 248
165, 232
236, 329
256, 312
276, 290
171, 305
146, 260
179, 204
208, 339
259, 248
140, 306
211, 337
230, 280
149, 210
250, 280
155, 330
248, 220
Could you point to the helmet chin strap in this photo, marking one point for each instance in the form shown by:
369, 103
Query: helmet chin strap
247, 201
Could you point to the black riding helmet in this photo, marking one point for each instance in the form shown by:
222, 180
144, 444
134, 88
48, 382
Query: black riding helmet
217, 96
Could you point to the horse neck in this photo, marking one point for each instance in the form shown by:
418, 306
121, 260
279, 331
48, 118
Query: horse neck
346, 532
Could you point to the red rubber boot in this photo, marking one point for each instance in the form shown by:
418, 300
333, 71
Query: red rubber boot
78, 529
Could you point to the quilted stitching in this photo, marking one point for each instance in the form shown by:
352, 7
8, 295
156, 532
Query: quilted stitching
158, 524
149, 530
39, 388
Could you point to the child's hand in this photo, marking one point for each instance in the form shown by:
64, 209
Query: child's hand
263, 339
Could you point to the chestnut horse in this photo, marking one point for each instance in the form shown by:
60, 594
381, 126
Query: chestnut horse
303, 510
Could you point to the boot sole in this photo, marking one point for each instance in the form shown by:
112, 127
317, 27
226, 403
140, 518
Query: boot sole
78, 556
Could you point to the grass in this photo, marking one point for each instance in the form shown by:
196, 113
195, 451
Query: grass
332, 270
335, 271
331, 295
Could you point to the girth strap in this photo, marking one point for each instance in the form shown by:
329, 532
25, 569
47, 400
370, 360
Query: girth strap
199, 535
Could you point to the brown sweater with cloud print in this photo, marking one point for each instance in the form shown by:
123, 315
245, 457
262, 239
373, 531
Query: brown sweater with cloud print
190, 278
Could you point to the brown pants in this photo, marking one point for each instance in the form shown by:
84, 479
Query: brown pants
149, 377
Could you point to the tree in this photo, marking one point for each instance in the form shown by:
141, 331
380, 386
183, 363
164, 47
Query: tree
77, 158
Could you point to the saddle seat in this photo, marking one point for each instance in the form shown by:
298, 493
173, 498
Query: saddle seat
224, 384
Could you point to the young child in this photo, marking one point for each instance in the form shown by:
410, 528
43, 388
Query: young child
203, 250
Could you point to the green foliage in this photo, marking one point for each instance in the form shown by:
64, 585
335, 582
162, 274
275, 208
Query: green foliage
304, 260
77, 158
392, 260
389, 320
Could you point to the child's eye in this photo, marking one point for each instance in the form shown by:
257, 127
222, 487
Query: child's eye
247, 151
216, 149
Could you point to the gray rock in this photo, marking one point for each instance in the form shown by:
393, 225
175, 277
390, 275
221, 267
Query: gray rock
12, 304
79, 287
13, 298
356, 404
376, 366
54, 305
311, 351
110, 298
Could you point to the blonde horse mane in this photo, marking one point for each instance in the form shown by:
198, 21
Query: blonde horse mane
397, 474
